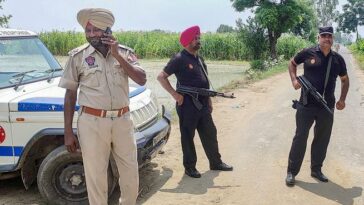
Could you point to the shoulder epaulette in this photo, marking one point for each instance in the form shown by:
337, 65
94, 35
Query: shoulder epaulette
78, 49
126, 48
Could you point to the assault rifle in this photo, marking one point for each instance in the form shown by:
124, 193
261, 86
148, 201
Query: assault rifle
308, 88
195, 92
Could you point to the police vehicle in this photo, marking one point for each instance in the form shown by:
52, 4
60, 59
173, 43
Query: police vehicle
31, 122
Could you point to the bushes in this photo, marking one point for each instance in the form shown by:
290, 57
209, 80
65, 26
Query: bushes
288, 45
358, 51
257, 65
261, 65
253, 36
360, 46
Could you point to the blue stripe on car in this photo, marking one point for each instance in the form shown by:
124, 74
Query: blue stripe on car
39, 104
7, 151
46, 104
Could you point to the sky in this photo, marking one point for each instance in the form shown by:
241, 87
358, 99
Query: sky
135, 15
170, 15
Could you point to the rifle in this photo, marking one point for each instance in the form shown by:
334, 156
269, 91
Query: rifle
195, 92
308, 88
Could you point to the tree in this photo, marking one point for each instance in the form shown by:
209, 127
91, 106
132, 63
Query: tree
307, 27
352, 17
276, 17
325, 10
225, 29
346, 39
4, 19
338, 37
253, 37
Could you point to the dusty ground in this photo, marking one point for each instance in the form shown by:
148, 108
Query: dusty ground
255, 131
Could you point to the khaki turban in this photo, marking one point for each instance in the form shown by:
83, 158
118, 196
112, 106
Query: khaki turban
100, 18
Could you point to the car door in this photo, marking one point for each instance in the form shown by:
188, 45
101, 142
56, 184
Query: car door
7, 151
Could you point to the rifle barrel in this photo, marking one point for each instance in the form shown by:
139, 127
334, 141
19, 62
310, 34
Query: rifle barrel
202, 91
312, 90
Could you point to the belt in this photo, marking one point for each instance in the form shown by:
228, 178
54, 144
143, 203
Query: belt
105, 113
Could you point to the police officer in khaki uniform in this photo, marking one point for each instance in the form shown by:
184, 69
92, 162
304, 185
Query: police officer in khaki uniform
100, 70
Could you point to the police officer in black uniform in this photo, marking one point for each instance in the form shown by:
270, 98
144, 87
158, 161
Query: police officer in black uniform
315, 64
188, 67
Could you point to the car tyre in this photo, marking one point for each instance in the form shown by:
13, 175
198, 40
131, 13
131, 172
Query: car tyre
61, 178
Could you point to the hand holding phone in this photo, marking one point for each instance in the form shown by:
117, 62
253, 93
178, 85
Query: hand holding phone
108, 31
106, 36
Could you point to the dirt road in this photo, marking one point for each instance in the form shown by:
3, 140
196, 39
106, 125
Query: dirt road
255, 132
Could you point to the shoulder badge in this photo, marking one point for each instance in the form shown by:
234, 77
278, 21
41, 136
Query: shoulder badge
126, 48
129, 52
312, 61
78, 49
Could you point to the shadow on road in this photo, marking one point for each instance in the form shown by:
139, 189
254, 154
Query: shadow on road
150, 181
12, 192
332, 191
196, 186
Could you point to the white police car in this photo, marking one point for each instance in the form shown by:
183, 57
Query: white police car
31, 122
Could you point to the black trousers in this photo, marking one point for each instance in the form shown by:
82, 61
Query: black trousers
305, 117
191, 119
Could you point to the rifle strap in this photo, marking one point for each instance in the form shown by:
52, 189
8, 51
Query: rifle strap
327, 74
205, 72
304, 96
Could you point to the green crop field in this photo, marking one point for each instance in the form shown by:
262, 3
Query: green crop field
153, 44
221, 73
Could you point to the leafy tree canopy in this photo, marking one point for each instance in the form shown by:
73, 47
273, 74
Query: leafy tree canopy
253, 36
352, 17
277, 16
307, 27
325, 10
225, 29
4, 19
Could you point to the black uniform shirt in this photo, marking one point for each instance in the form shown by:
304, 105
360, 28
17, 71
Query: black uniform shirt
315, 68
188, 71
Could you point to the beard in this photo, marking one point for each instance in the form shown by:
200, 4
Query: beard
95, 42
197, 46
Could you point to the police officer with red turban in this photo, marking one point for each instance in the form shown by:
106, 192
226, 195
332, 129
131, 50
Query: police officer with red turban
190, 70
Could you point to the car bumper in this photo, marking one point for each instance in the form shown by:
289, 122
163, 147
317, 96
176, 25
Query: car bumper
152, 139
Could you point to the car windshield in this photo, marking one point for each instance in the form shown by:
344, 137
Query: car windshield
24, 60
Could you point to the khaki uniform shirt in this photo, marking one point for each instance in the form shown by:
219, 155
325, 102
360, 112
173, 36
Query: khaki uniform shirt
103, 83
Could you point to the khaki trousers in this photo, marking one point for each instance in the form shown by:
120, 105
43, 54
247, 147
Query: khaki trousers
98, 137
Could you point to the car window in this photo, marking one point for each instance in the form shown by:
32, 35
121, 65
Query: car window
22, 55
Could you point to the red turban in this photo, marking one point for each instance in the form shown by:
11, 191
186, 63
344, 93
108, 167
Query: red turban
188, 35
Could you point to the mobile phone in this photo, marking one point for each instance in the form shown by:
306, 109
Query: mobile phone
108, 30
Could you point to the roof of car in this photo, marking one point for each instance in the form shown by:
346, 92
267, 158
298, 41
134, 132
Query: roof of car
4, 32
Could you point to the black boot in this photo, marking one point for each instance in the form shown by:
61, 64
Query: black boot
192, 172
290, 180
319, 175
222, 167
